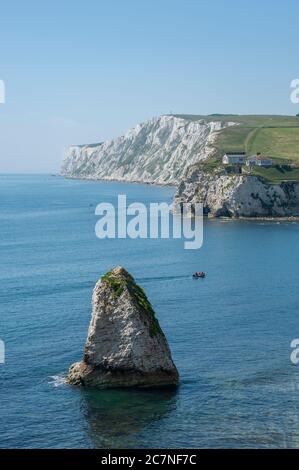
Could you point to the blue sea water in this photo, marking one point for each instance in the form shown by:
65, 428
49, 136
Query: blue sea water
229, 334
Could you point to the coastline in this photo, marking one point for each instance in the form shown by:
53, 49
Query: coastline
294, 218
245, 265
257, 219
118, 180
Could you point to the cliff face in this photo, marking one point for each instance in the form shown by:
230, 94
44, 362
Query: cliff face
238, 195
157, 151
167, 150
125, 345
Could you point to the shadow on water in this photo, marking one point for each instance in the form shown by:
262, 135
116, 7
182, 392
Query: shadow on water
117, 418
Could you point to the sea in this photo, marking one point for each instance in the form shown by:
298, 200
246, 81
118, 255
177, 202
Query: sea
230, 334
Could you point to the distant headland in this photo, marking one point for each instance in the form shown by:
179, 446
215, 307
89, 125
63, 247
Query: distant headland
188, 151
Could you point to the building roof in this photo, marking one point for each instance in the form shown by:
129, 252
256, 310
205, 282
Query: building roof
235, 153
259, 157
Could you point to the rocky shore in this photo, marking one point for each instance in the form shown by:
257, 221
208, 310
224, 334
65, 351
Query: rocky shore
169, 150
237, 196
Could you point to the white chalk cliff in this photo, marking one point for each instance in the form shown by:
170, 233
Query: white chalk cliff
165, 150
224, 195
157, 151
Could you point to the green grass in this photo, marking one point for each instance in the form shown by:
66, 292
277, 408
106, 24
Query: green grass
281, 143
276, 175
233, 139
274, 136
249, 120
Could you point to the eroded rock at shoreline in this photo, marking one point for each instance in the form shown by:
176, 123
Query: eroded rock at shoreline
125, 344
234, 196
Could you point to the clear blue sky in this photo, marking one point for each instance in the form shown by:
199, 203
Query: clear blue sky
84, 71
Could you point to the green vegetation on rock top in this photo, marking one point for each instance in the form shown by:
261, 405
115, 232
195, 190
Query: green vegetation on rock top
115, 283
276, 174
118, 279
144, 304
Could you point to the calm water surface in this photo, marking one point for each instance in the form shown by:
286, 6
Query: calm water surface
229, 334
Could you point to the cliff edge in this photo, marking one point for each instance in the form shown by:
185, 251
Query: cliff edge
237, 195
156, 151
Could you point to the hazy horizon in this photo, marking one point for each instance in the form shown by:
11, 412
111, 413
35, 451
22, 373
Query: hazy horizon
82, 73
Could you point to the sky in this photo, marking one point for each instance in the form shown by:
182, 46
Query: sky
80, 72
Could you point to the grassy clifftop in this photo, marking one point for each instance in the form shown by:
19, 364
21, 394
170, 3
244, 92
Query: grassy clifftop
276, 136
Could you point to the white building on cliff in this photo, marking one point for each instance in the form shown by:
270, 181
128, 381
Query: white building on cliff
234, 158
259, 160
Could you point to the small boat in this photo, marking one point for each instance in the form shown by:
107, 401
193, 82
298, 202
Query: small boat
198, 275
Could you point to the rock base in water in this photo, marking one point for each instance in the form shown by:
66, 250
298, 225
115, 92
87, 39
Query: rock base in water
81, 373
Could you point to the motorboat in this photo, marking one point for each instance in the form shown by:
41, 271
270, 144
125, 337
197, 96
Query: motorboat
199, 275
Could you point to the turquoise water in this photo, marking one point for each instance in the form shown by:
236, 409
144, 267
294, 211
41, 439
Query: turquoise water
229, 334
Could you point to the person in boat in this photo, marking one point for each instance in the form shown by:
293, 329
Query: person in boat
199, 274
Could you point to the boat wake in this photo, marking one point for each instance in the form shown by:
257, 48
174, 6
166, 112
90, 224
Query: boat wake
161, 278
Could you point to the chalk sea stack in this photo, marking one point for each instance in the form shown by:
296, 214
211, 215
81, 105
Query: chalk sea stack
125, 345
